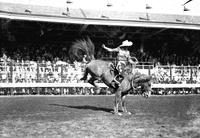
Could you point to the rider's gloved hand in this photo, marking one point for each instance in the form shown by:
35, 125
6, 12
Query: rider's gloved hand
103, 46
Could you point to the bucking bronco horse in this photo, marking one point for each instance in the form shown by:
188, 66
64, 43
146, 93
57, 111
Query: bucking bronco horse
106, 71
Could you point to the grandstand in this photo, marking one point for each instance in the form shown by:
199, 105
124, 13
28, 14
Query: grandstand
35, 38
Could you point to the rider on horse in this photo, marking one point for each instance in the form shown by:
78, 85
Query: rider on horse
123, 56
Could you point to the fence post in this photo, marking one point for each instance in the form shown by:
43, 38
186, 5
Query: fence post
191, 73
170, 70
149, 70
37, 81
62, 80
11, 77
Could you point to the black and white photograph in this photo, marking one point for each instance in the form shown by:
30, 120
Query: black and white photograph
99, 68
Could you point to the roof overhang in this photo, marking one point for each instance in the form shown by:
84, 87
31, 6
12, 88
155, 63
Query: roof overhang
84, 16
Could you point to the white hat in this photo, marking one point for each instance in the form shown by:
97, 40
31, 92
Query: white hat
126, 43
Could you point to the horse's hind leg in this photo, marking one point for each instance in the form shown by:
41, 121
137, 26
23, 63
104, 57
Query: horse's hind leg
92, 81
116, 102
85, 75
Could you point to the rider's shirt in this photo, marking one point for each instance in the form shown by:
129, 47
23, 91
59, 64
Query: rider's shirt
123, 55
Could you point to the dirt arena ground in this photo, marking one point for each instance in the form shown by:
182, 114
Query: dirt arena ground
91, 116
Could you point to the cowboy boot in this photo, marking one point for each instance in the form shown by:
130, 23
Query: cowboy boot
118, 79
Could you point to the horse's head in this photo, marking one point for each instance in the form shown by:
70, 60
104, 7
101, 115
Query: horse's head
146, 89
144, 82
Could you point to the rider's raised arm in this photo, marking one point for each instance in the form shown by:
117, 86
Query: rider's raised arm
111, 49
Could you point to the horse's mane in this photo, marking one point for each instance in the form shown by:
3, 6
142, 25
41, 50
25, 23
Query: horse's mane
80, 48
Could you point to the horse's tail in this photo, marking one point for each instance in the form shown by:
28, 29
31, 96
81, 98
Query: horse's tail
80, 48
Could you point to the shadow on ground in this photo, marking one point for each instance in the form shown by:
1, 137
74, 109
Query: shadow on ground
86, 107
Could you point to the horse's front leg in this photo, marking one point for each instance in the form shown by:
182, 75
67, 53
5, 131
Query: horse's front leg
147, 94
124, 105
116, 103
93, 81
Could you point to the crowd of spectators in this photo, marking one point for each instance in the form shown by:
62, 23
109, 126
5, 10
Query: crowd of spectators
54, 91
50, 63
176, 74
54, 52
91, 91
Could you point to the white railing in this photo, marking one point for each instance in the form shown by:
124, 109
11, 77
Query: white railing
68, 75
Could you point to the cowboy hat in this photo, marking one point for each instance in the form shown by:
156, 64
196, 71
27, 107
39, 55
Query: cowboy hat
126, 43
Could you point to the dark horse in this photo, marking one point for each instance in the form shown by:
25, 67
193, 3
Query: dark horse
106, 72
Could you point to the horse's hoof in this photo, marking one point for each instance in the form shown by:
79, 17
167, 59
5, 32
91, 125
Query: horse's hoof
120, 114
129, 113
146, 95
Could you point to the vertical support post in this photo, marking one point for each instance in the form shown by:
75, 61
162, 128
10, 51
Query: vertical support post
11, 77
191, 73
149, 69
11, 73
37, 81
62, 80
170, 69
